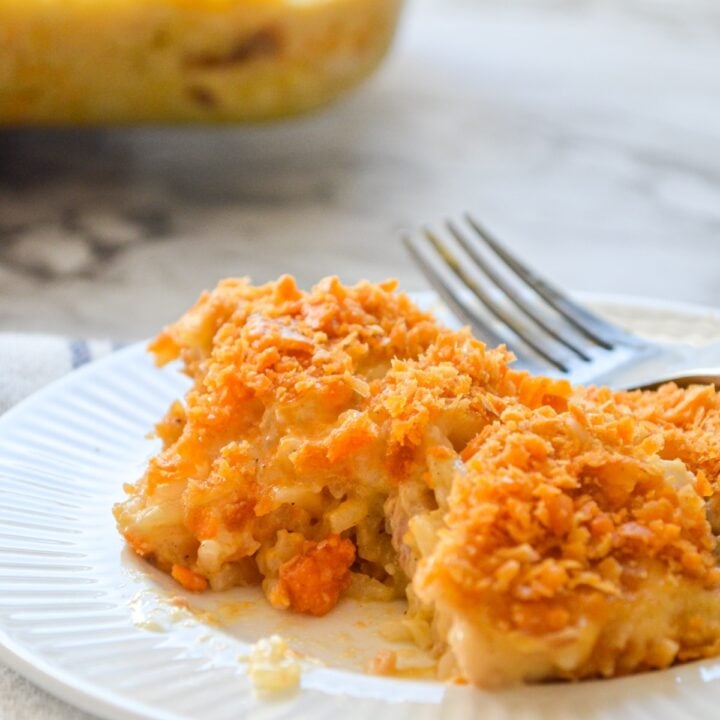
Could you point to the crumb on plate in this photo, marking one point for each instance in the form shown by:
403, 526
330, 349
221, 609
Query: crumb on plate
273, 667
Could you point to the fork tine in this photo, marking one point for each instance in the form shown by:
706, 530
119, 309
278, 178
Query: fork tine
450, 294
593, 327
508, 291
462, 310
547, 353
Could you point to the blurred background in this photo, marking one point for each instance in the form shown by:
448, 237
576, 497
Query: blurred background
586, 133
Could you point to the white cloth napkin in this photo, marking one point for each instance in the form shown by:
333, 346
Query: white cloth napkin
29, 361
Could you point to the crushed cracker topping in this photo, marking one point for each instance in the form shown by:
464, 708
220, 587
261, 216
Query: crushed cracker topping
342, 437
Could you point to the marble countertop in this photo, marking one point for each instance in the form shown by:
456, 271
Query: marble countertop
586, 133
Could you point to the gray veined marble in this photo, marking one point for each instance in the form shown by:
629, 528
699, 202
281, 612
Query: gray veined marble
586, 132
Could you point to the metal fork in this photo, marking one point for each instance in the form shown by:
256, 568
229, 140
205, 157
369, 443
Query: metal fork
506, 302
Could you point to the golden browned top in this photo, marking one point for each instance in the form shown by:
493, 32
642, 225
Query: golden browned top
276, 339
689, 420
343, 366
555, 506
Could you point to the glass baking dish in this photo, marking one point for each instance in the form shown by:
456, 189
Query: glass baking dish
75, 62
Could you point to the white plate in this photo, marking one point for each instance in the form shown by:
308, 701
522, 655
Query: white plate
88, 621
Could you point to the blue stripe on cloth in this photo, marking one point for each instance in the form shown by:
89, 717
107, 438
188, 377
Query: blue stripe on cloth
79, 353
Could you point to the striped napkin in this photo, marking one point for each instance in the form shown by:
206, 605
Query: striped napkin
29, 361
